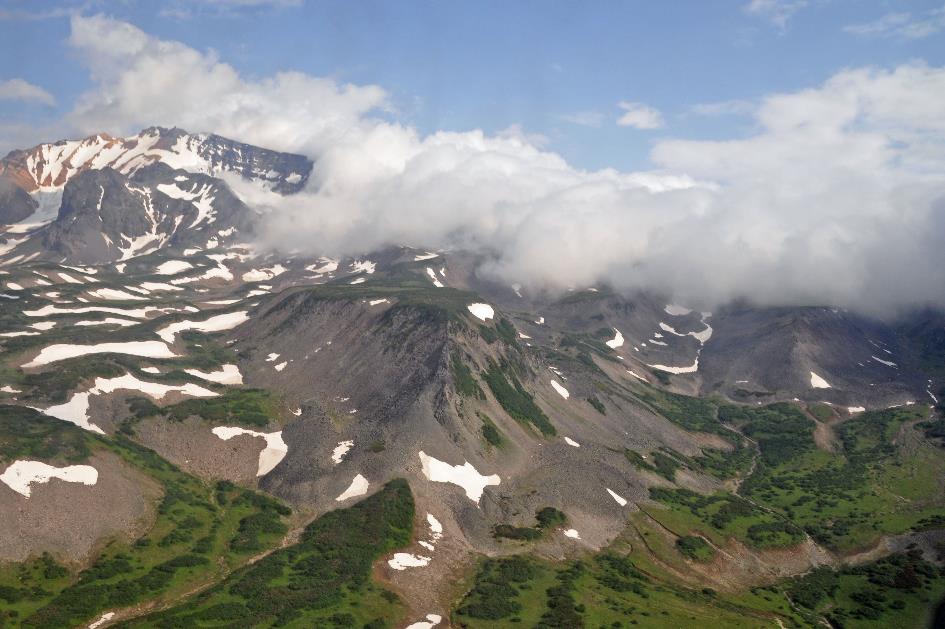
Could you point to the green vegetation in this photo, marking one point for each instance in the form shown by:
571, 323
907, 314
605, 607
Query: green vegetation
847, 499
548, 518
490, 432
725, 464
662, 463
322, 581
488, 334
56, 384
607, 590
597, 404
823, 412
665, 466
200, 531
692, 413
727, 515
241, 407
899, 590
506, 331
516, 401
25, 433
695, 547
934, 430
498, 583
463, 379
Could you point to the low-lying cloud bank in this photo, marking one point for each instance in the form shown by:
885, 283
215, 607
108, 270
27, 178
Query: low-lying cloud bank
837, 197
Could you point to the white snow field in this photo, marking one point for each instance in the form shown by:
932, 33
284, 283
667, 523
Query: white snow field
572, 533
338, 454
134, 313
115, 295
272, 454
227, 374
437, 282
432, 621
147, 349
617, 341
481, 311
571, 442
817, 382
21, 474
676, 311
620, 500
173, 267
76, 409
102, 620
465, 476
358, 487
402, 561
225, 321
560, 389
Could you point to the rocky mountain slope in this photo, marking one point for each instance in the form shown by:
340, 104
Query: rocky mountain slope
269, 408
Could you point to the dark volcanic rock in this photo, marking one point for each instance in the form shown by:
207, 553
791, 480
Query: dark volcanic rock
15, 203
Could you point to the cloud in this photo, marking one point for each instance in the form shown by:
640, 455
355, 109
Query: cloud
901, 25
20, 90
583, 118
186, 9
141, 81
639, 116
778, 12
838, 197
724, 108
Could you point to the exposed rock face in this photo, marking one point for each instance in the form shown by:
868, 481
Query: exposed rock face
15, 203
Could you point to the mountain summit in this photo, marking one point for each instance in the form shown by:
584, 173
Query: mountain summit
51, 166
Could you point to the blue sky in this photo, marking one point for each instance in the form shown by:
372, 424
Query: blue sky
558, 69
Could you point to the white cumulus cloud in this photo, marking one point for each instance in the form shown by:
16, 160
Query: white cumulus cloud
838, 197
21, 90
639, 116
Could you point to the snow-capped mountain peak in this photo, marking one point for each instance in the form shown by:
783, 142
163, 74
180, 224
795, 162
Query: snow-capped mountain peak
51, 166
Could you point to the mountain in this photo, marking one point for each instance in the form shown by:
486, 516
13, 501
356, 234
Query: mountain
50, 166
197, 432
120, 198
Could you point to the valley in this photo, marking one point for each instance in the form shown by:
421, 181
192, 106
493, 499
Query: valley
396, 439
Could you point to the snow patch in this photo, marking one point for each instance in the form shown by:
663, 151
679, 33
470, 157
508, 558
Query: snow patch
228, 374
173, 267
560, 389
102, 620
338, 454
21, 474
481, 311
885, 362
402, 561
674, 310
76, 409
465, 476
358, 487
218, 323
54, 353
113, 294
617, 341
432, 621
272, 454
572, 442
363, 266
620, 500
817, 382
